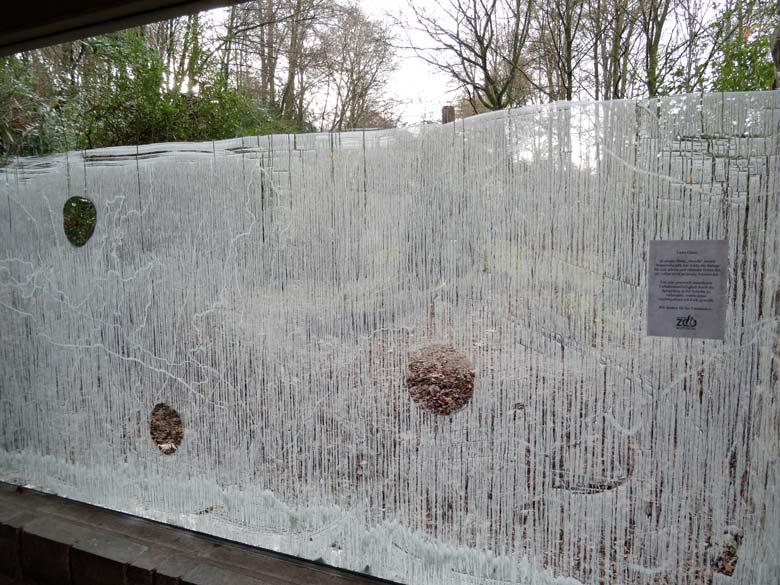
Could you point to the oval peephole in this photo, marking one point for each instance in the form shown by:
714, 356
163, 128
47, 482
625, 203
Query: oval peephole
78, 218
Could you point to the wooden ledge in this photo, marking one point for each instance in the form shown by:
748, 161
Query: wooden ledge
46, 539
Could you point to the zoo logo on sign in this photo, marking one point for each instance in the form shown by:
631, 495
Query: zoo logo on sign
686, 322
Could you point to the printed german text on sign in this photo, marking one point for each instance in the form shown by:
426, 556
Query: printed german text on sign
687, 288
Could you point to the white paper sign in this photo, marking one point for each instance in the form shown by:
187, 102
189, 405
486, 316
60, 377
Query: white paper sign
687, 288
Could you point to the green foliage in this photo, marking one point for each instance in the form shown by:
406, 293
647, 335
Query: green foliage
119, 98
115, 90
679, 80
744, 65
127, 104
218, 112
78, 218
28, 122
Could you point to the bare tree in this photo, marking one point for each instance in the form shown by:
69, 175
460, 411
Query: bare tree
653, 15
357, 59
613, 25
478, 43
562, 22
306, 18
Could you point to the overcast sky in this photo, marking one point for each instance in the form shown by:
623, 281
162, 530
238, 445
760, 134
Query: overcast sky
419, 89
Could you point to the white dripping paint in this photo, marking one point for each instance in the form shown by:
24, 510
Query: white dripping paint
271, 290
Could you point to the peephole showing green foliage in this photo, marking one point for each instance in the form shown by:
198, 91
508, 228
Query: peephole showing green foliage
78, 219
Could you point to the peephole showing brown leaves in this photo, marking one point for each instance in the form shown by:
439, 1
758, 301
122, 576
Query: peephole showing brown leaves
166, 428
440, 379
